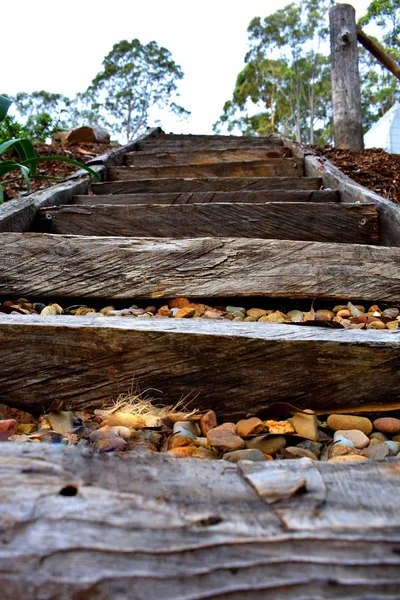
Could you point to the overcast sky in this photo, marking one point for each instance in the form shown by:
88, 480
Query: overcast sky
59, 46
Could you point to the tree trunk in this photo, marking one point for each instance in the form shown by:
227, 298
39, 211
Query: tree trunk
346, 95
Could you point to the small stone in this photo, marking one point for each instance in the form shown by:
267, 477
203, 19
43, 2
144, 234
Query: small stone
389, 425
393, 447
38, 306
178, 441
376, 325
109, 443
377, 451
7, 428
233, 309
348, 458
296, 316
377, 435
341, 439
314, 447
151, 309
247, 427
279, 427
84, 311
151, 420
185, 313
339, 307
25, 428
359, 439
58, 308
225, 440
396, 438
340, 450
205, 454
107, 309
188, 429
211, 314
178, 303
256, 312
345, 313
336, 422
251, 319
208, 421
275, 317
125, 419
227, 426
267, 445
296, 452
183, 452
391, 313
164, 311
324, 315
7, 412
392, 325
49, 311
240, 319
306, 425
246, 454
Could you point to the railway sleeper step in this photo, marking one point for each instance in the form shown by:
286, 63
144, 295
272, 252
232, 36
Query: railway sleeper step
208, 197
321, 222
198, 157
208, 184
187, 143
273, 167
47, 265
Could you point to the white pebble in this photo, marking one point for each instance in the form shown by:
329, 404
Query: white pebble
342, 440
393, 447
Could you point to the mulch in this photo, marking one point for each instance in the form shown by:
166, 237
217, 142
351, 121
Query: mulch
373, 168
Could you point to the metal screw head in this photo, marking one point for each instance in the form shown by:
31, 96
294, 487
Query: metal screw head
363, 222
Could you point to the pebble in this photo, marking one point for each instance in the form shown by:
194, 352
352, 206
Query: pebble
49, 311
377, 435
205, 454
125, 419
389, 425
341, 439
337, 422
256, 312
314, 447
348, 458
235, 309
393, 447
177, 441
377, 451
340, 450
267, 445
183, 452
306, 425
225, 440
279, 427
296, 452
208, 421
188, 429
247, 427
358, 438
246, 454
7, 428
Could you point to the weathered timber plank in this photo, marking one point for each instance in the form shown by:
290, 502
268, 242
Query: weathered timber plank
157, 527
182, 143
274, 167
233, 368
203, 157
207, 197
344, 223
207, 184
44, 265
116, 156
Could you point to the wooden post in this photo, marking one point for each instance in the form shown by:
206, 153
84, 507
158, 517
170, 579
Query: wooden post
346, 95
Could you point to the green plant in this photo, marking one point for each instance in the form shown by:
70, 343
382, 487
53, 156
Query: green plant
27, 165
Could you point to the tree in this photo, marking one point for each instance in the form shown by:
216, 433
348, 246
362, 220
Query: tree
43, 112
135, 78
286, 76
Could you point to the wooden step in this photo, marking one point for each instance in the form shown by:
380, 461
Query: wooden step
344, 223
207, 197
274, 167
47, 266
159, 159
183, 143
207, 184
85, 360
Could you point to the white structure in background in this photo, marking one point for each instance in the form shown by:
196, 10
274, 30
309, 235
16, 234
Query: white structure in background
385, 133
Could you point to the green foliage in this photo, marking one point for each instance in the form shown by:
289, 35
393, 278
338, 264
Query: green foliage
135, 78
27, 158
43, 112
285, 83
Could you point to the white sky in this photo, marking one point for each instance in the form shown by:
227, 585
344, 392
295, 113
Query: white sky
59, 46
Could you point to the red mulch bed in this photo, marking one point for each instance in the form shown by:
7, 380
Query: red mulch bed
374, 168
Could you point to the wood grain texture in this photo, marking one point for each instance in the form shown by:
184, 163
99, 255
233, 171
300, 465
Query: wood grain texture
45, 265
199, 157
233, 368
344, 223
274, 167
187, 143
207, 184
207, 197
139, 529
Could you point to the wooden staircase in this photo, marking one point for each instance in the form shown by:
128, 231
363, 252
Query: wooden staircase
210, 218
221, 219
